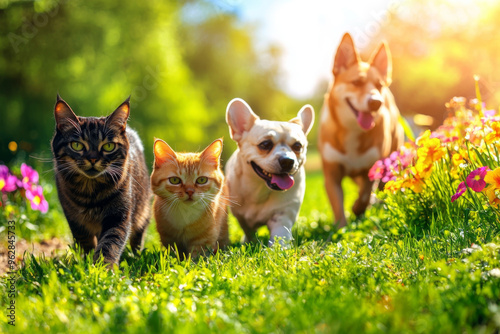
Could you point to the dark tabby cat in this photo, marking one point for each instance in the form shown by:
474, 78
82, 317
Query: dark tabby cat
102, 180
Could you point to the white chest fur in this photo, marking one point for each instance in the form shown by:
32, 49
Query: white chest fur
351, 159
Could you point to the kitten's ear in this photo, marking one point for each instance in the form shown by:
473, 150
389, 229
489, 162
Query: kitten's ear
240, 118
163, 153
381, 59
65, 117
118, 118
305, 118
213, 152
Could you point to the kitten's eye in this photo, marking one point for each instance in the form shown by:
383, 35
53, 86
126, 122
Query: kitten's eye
266, 145
202, 180
76, 145
109, 147
297, 147
174, 180
357, 82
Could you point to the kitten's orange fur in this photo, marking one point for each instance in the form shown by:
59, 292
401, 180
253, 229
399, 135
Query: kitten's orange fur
190, 213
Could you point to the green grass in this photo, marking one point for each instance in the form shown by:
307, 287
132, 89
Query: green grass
368, 277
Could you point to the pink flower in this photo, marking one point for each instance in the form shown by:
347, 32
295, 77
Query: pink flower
35, 196
475, 180
29, 177
377, 170
460, 191
8, 182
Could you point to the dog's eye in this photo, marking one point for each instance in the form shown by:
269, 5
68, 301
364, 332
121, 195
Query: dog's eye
357, 82
266, 145
297, 147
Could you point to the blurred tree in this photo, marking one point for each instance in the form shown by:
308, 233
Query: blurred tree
95, 54
180, 72
437, 47
224, 57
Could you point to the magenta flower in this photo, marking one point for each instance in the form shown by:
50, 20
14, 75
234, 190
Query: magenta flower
38, 202
377, 170
8, 182
29, 177
475, 180
460, 191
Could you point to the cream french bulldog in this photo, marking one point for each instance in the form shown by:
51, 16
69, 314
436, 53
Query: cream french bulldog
266, 175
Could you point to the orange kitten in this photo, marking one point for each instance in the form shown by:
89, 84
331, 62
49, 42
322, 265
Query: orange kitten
189, 207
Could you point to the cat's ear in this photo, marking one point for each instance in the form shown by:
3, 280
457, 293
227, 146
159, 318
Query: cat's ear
163, 153
65, 117
118, 119
305, 118
240, 118
213, 152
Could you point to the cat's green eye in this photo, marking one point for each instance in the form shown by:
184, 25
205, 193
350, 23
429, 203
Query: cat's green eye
76, 145
202, 180
108, 147
174, 180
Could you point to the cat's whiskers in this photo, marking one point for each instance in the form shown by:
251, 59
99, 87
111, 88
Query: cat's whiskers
66, 169
41, 159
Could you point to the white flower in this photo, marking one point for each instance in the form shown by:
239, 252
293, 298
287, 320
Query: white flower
494, 272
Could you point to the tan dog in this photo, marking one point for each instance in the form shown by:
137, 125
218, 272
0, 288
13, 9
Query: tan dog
265, 175
359, 123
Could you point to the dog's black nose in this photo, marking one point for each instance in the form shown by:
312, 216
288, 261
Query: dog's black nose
286, 164
374, 103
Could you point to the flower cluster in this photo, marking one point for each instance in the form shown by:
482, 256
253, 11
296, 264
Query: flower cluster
27, 185
461, 154
389, 168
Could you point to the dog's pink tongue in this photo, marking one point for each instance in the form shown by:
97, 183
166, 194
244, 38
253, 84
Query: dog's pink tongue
365, 120
283, 181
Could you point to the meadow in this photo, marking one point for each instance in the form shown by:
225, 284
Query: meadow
416, 262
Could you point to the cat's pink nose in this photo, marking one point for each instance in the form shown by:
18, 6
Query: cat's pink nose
190, 192
93, 161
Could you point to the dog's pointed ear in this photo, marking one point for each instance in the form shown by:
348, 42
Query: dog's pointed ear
381, 59
162, 153
65, 117
305, 118
213, 152
346, 55
240, 118
119, 117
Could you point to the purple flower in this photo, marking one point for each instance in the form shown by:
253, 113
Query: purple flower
475, 180
8, 182
35, 196
460, 191
490, 113
29, 177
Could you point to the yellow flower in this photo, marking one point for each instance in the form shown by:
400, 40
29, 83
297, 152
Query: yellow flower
414, 184
492, 178
431, 150
393, 185
494, 135
457, 159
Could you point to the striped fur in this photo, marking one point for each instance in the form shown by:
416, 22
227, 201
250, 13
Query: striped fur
104, 195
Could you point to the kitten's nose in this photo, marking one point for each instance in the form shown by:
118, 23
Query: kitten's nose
374, 103
93, 161
286, 164
190, 192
